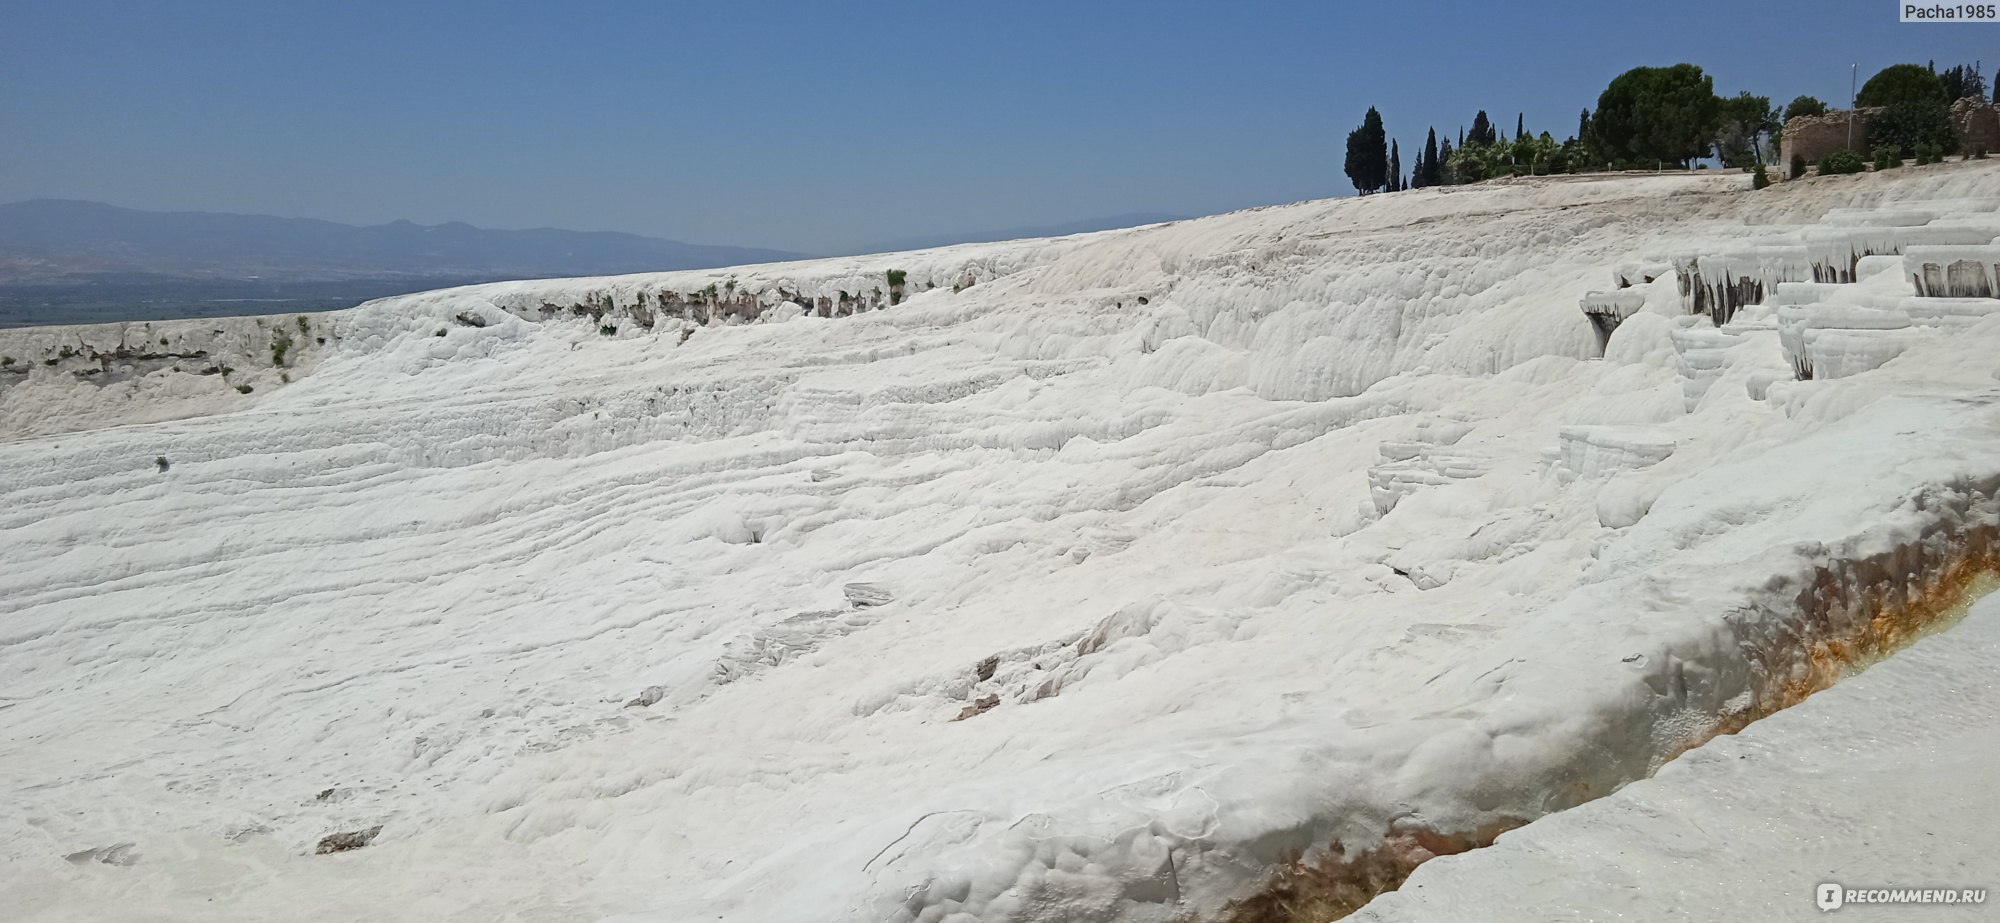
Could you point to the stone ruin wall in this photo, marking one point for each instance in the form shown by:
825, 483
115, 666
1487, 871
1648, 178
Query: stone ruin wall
1814, 137
1978, 126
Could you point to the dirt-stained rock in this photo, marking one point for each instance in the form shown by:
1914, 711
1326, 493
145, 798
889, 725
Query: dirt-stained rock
120, 854
342, 842
979, 706
647, 697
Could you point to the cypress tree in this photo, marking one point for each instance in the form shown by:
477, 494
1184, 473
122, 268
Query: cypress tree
1444, 177
1368, 154
1482, 130
1429, 162
1520, 125
1395, 167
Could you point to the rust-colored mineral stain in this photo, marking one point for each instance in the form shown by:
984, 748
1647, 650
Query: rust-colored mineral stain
1851, 614
1857, 612
1335, 884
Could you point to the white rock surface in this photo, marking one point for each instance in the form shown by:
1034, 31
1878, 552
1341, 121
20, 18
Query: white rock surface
563, 611
1885, 780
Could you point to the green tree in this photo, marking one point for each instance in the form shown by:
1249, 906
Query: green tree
1963, 81
1901, 83
1368, 154
1579, 153
1803, 105
1577, 156
1482, 132
1395, 167
1655, 114
1469, 164
1538, 155
1745, 122
1428, 165
1903, 126
1445, 175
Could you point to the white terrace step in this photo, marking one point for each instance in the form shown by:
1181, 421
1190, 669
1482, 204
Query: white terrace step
1835, 251
1700, 348
1633, 273
1823, 341
1718, 284
1593, 451
1607, 310
1965, 271
1425, 461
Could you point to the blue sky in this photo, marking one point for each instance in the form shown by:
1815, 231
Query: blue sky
821, 126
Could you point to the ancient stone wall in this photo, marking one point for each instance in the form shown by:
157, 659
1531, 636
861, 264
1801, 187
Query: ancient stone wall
1978, 125
1815, 136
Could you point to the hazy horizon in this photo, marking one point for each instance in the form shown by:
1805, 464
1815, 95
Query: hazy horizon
971, 234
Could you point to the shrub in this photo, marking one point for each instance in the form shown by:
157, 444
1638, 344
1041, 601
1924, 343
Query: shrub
1928, 154
1798, 168
896, 277
1841, 162
280, 345
6, 360
161, 463
244, 389
609, 330
1760, 179
1886, 158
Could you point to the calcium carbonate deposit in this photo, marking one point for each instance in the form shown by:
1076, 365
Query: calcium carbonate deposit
1221, 570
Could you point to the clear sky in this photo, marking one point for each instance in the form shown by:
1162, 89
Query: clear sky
821, 125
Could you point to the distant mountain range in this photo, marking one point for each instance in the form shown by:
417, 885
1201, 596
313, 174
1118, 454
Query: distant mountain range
52, 241
1048, 230
65, 241
69, 262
